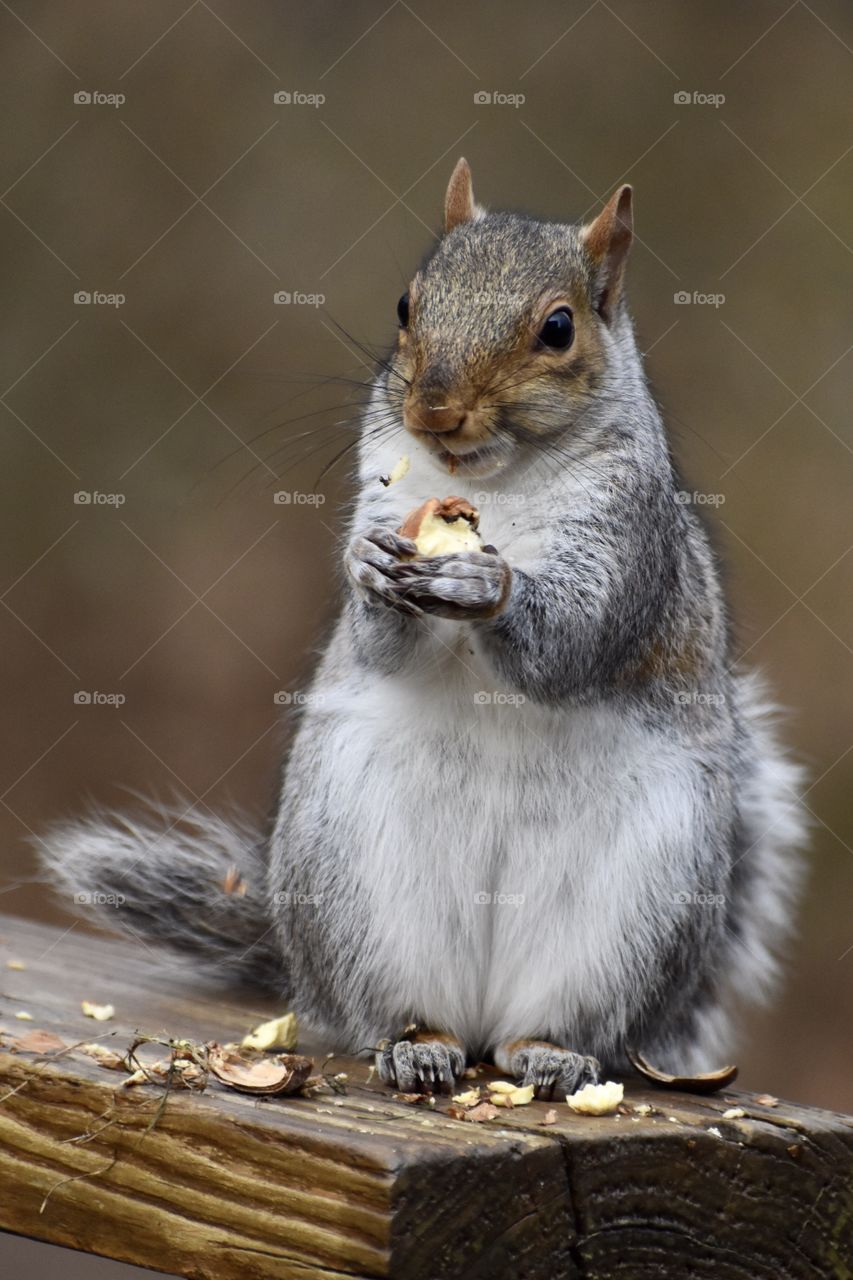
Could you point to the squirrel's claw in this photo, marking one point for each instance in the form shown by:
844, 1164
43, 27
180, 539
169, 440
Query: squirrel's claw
547, 1067
372, 559
470, 585
420, 1065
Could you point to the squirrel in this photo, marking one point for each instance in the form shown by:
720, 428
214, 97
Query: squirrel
531, 807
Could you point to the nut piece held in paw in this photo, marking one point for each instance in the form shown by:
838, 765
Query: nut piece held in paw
443, 527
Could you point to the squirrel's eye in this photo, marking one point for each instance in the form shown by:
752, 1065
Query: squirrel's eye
558, 331
403, 310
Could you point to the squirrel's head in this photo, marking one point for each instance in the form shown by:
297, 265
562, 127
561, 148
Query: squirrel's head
504, 331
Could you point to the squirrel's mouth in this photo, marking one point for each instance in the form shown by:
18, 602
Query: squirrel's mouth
465, 451
481, 460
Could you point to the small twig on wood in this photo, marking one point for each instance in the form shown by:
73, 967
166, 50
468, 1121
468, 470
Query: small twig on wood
78, 1177
337, 1083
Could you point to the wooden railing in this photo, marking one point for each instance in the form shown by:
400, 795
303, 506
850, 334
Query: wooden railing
359, 1184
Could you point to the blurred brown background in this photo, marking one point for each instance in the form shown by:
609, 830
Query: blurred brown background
199, 198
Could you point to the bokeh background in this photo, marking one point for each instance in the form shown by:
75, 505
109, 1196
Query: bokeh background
187, 401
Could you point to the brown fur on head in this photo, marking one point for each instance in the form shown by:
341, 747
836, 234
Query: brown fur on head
470, 349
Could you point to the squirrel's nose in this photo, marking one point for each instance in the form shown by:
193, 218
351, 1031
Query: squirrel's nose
419, 416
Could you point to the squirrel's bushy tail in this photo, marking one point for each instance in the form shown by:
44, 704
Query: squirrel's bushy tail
194, 882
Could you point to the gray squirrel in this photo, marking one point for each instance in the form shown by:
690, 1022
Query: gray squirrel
530, 807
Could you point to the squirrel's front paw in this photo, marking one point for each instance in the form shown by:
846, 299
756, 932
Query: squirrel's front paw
372, 560
548, 1067
471, 585
412, 1066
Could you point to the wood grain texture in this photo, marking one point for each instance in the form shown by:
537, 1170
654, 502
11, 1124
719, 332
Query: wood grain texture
225, 1185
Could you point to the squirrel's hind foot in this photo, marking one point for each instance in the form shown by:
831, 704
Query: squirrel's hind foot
430, 1061
548, 1067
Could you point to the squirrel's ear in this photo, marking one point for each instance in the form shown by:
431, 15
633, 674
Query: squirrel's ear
607, 241
459, 203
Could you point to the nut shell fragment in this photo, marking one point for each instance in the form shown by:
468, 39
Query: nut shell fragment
476, 1115
283, 1073
705, 1082
102, 1055
40, 1042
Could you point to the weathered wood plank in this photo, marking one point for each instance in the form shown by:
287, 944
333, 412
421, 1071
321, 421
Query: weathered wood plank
365, 1186
226, 1185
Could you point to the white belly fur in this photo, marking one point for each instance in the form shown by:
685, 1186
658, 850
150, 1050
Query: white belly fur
565, 819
